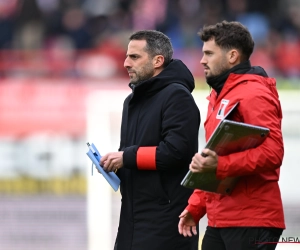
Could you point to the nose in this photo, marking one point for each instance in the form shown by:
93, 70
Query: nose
203, 60
126, 63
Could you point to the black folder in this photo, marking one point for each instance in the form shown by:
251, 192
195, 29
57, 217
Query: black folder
229, 137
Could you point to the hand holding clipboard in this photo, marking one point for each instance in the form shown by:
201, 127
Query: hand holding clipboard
95, 157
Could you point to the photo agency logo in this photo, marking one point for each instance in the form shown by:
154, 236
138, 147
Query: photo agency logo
275, 240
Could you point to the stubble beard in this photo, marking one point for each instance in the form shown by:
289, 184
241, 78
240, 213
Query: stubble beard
219, 70
144, 74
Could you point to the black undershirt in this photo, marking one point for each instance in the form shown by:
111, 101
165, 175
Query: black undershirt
218, 82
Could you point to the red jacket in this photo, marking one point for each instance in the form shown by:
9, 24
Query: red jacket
255, 200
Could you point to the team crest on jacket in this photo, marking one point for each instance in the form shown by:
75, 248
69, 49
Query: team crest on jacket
222, 108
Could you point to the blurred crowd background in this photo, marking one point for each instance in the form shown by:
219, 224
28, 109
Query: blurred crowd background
75, 38
55, 54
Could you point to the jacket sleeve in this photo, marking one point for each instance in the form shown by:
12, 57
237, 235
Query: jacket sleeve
179, 130
180, 121
262, 110
197, 205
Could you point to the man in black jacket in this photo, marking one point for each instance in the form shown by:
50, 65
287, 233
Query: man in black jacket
159, 136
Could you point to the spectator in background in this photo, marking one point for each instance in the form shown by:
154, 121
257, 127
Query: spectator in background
254, 20
30, 28
288, 50
148, 13
89, 24
159, 135
253, 212
74, 24
51, 13
7, 23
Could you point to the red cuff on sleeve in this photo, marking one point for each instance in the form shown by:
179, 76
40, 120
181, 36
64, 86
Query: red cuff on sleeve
146, 158
195, 212
197, 205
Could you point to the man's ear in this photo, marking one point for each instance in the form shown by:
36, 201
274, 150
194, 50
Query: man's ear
234, 57
158, 61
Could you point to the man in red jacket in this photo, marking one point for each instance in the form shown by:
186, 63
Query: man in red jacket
251, 217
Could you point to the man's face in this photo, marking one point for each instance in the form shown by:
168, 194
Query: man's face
137, 62
214, 60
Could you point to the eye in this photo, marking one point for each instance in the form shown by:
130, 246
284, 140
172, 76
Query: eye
134, 57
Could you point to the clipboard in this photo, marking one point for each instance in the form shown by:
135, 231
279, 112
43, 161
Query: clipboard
229, 137
112, 179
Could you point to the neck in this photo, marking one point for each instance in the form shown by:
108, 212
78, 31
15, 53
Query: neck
157, 71
218, 82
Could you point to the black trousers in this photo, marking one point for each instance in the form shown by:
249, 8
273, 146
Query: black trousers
241, 238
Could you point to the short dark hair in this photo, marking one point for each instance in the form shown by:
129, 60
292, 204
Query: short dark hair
157, 44
229, 35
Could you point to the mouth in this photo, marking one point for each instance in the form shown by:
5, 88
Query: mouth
130, 73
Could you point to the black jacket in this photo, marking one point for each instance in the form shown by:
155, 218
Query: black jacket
159, 112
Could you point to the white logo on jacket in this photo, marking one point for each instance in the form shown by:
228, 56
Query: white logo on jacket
221, 111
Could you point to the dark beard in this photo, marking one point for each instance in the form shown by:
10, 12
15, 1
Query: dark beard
210, 78
217, 82
145, 75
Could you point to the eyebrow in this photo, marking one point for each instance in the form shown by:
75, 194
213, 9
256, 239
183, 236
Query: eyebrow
133, 54
207, 51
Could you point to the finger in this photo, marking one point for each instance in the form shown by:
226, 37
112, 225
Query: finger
198, 158
108, 165
103, 160
209, 152
191, 168
184, 231
188, 231
194, 229
184, 213
116, 164
195, 169
102, 164
193, 159
180, 226
192, 162
113, 166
